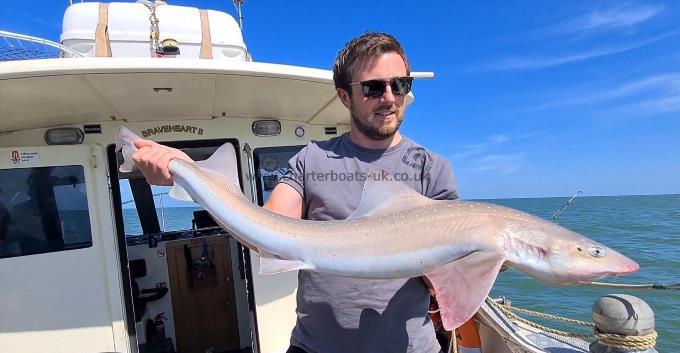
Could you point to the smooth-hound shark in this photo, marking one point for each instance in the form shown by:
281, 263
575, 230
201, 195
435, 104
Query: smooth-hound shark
395, 232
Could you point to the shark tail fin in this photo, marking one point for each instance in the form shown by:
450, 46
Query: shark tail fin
125, 144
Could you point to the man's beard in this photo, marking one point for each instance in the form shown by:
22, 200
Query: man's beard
383, 132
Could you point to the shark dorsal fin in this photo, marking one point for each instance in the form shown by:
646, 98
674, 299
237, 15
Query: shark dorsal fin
222, 167
383, 195
222, 161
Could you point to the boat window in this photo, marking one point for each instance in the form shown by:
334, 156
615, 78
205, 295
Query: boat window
149, 209
132, 225
271, 164
171, 213
43, 210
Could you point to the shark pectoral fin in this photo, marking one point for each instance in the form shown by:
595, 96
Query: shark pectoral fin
223, 161
462, 285
383, 195
271, 264
178, 193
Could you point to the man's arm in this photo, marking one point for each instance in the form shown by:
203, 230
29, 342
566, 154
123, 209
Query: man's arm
442, 185
285, 201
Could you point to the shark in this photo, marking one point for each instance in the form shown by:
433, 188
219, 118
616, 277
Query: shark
395, 232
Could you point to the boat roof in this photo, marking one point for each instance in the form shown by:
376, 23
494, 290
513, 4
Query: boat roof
56, 92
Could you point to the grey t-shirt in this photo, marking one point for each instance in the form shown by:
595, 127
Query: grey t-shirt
341, 314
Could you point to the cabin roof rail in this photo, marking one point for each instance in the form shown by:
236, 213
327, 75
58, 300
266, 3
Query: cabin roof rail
16, 46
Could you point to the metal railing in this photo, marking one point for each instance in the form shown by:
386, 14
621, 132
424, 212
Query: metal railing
15, 46
160, 204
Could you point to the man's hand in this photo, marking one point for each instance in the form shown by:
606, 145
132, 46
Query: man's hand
152, 159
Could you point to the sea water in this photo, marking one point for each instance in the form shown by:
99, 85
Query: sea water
645, 228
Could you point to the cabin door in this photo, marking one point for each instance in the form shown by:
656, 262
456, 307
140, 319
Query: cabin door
203, 297
59, 285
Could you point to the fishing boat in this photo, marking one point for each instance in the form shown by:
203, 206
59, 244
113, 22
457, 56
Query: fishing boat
90, 259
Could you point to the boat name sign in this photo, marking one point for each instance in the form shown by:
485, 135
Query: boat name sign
164, 129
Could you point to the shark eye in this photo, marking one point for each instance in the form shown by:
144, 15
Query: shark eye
596, 251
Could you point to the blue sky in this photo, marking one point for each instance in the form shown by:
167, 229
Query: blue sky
531, 98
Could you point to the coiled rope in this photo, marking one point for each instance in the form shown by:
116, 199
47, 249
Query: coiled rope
613, 340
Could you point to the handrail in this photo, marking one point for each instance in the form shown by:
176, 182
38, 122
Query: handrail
20, 49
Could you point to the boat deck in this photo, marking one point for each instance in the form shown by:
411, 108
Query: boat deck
501, 334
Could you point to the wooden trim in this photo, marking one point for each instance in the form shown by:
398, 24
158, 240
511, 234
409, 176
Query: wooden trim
102, 45
206, 41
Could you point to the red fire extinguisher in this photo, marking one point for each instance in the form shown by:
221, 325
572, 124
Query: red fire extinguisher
160, 326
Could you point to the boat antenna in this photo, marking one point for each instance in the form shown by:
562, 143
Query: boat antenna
237, 5
565, 206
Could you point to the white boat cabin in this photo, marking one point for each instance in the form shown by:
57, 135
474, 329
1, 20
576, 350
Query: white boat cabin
94, 260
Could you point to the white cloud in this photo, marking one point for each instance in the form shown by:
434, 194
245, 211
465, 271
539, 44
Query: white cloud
466, 153
480, 157
490, 140
479, 148
498, 138
659, 105
526, 63
500, 163
621, 16
653, 94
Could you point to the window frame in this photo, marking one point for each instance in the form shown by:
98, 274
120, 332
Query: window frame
257, 154
88, 194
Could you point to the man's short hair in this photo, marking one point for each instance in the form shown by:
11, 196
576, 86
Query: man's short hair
369, 45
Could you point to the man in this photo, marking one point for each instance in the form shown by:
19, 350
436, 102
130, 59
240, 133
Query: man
340, 314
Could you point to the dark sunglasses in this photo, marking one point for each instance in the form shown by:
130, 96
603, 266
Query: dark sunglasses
375, 88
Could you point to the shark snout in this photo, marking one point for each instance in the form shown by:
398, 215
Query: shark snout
622, 266
629, 267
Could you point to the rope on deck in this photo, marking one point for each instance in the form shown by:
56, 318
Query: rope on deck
613, 340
